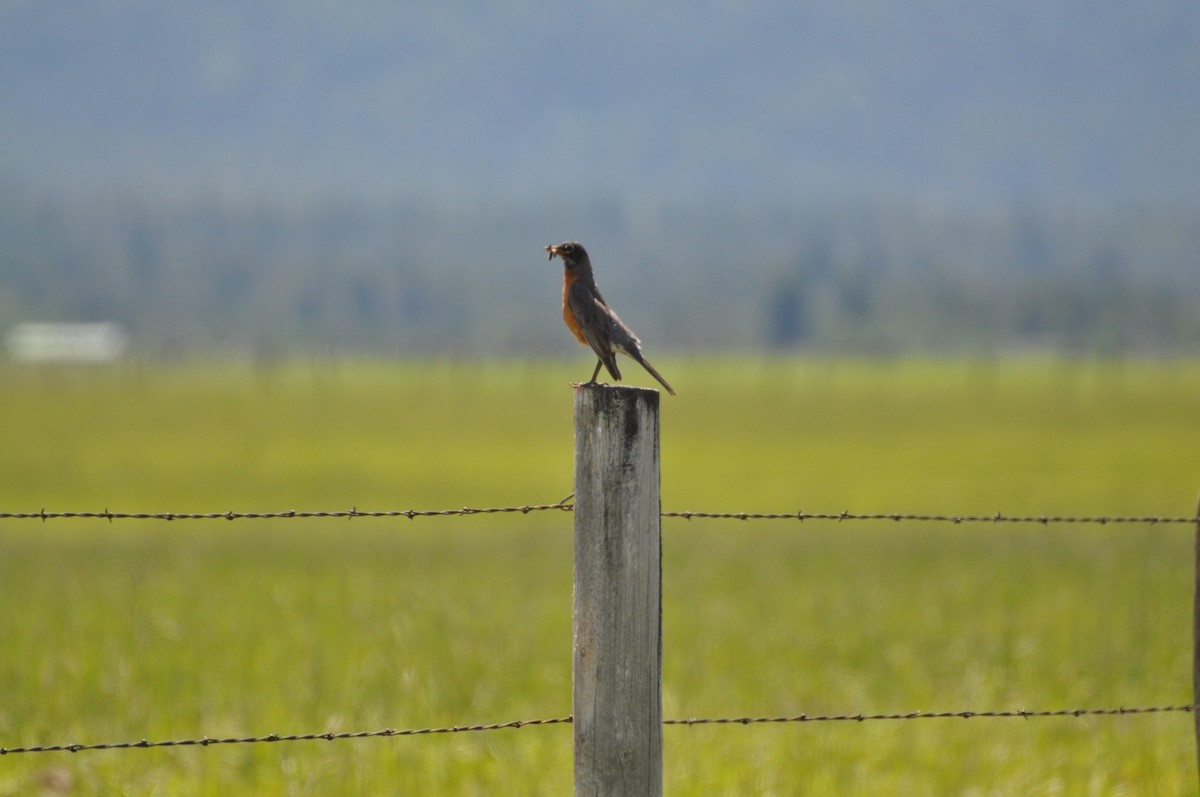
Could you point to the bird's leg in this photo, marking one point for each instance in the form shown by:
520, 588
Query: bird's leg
596, 373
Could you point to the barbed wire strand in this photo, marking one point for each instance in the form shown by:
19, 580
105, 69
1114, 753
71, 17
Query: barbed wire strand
282, 515
411, 514
206, 741
998, 517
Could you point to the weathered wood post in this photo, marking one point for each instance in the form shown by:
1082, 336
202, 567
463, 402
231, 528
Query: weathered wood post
618, 593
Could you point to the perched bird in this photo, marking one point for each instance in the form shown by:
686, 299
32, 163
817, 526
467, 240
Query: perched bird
590, 318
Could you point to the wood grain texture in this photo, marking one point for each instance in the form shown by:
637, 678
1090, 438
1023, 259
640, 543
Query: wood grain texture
618, 592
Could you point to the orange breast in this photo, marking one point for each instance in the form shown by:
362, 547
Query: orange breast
568, 316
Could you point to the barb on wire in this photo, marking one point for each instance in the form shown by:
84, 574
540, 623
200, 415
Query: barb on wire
562, 506
206, 741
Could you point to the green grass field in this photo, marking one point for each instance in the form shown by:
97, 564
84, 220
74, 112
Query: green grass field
156, 630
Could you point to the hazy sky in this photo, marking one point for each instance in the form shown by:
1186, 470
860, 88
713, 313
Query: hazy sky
1081, 102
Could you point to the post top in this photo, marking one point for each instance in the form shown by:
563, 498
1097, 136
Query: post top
601, 387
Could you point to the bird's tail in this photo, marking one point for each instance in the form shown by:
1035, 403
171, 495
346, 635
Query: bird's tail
650, 368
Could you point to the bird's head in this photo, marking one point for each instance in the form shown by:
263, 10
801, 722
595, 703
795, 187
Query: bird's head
572, 253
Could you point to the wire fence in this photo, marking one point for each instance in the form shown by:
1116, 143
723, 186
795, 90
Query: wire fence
525, 509
412, 514
206, 741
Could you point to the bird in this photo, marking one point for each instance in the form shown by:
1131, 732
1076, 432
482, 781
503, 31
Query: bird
590, 318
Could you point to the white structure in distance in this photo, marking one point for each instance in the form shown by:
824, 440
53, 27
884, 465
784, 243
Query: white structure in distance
102, 342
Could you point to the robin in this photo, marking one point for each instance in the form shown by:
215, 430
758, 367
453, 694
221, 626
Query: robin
590, 318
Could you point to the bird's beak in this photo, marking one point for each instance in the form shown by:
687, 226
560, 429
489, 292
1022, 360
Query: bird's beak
552, 249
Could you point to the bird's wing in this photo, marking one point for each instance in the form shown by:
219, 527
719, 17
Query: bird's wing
596, 321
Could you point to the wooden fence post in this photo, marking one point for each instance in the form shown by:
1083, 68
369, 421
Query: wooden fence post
618, 593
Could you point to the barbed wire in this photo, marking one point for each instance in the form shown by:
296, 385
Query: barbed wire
288, 514
206, 741
998, 517
928, 715
411, 514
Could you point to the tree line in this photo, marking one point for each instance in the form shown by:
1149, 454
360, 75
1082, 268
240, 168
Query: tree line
422, 277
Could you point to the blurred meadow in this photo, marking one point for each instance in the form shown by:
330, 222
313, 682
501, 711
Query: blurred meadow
147, 629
